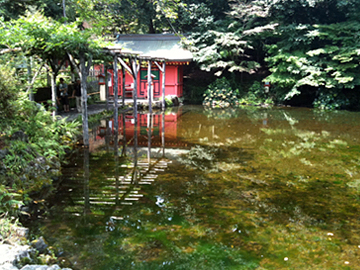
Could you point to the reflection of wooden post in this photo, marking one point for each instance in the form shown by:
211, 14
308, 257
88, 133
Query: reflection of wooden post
116, 95
107, 136
134, 178
163, 132
149, 126
116, 157
124, 136
87, 209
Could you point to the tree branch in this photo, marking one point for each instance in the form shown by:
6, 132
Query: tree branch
34, 78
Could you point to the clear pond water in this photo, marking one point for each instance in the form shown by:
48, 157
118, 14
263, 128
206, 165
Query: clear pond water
247, 188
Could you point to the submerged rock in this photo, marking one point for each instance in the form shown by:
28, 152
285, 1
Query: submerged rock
40, 245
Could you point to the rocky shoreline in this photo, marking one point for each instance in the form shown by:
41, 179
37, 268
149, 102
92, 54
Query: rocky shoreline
14, 255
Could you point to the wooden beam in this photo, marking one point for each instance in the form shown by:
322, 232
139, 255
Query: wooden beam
159, 67
122, 62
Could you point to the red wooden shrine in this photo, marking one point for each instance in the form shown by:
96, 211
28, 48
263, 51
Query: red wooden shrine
155, 46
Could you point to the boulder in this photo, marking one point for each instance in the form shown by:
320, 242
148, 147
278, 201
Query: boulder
8, 266
42, 267
11, 254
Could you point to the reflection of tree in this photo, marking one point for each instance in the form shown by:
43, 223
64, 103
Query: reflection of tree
221, 113
201, 158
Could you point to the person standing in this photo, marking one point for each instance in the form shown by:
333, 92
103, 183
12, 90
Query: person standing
77, 94
63, 89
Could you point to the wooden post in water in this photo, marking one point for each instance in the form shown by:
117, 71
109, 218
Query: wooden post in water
106, 86
135, 69
163, 85
83, 77
123, 84
149, 88
162, 69
116, 94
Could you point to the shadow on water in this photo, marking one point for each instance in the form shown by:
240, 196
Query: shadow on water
248, 188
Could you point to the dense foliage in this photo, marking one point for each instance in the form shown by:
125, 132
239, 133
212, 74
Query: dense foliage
32, 143
309, 47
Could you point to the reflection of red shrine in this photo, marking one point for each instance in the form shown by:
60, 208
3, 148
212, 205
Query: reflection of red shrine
145, 123
155, 125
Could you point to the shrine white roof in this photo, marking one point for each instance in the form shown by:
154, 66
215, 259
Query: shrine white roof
165, 46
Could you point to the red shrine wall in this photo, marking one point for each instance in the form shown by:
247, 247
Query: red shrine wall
173, 82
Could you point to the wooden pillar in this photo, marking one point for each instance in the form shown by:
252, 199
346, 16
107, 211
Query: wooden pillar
84, 111
123, 85
116, 95
163, 85
106, 86
149, 90
162, 69
135, 71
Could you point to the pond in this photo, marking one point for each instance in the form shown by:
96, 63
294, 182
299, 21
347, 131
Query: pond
246, 188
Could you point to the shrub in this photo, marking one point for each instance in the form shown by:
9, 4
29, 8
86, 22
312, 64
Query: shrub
220, 94
32, 143
331, 100
256, 95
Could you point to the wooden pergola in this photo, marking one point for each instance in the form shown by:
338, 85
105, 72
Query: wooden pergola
134, 60
131, 62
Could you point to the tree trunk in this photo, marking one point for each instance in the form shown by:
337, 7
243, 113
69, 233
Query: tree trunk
83, 78
53, 92
151, 27
31, 95
63, 6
